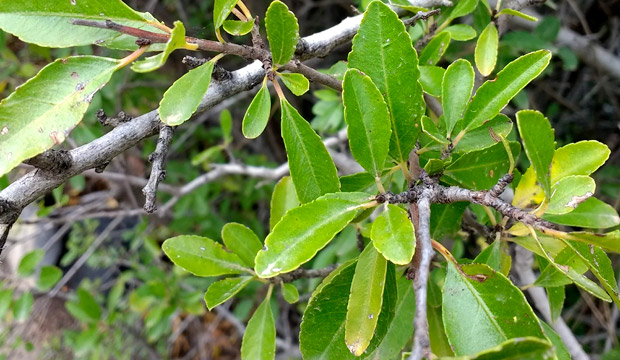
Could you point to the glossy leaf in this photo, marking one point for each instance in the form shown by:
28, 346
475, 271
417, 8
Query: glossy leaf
312, 169
461, 32
290, 293
6, 298
430, 128
368, 121
297, 83
382, 49
479, 315
569, 192
283, 199
48, 23
282, 32
513, 349
486, 50
581, 158
43, 111
181, 99
238, 28
592, 213
556, 297
49, 276
537, 138
22, 307
481, 169
446, 218
434, 50
304, 231
202, 256
221, 10
480, 138
609, 241
493, 96
365, 300
513, 12
496, 256
462, 8
241, 240
176, 41
29, 262
393, 235
222, 290
457, 84
256, 117
431, 78
259, 339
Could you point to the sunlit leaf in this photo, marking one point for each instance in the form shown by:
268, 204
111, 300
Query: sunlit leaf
393, 235
241, 240
486, 50
176, 41
221, 10
434, 50
222, 290
259, 339
282, 32
297, 83
457, 84
256, 117
283, 199
537, 137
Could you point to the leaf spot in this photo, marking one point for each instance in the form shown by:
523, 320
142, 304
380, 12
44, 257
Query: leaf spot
9, 156
576, 200
75, 75
99, 42
265, 248
371, 316
79, 87
202, 248
4, 131
40, 130
72, 2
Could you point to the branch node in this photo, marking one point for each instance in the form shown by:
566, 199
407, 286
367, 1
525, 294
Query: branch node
54, 161
143, 42
104, 120
101, 168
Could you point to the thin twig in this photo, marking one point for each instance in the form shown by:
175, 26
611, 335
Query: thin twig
303, 274
158, 172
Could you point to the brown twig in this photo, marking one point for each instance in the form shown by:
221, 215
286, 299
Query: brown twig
158, 172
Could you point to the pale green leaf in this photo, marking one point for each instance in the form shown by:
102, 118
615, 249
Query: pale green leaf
486, 50
297, 83
520, 348
22, 307
434, 50
569, 192
365, 300
29, 262
609, 241
492, 96
581, 158
393, 235
305, 230
479, 315
592, 213
430, 128
283, 199
85, 308
205, 156
221, 10
430, 79
44, 110
382, 49
290, 293
226, 125
6, 297
241, 240
480, 138
238, 28
461, 32
222, 290
202, 256
457, 84
513, 12
462, 8
312, 169
176, 41
537, 138
282, 32
259, 339
256, 117
49, 276
368, 121
181, 99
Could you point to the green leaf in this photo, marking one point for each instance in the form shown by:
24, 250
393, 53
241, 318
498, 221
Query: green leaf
592, 213
49, 276
238, 28
304, 231
6, 297
283, 199
480, 169
537, 137
222, 290
482, 314
430, 78
48, 23
257, 115
461, 32
226, 125
290, 293
430, 128
492, 96
556, 295
259, 339
446, 218
393, 235
42, 112
221, 10
365, 300
22, 307
85, 309
282, 32
480, 138
486, 50
457, 84
434, 50
496, 256
521, 348
176, 41
312, 169
581, 158
368, 121
241, 240
29, 262
382, 49
297, 83
513, 12
569, 192
462, 8
202, 256
560, 349
181, 99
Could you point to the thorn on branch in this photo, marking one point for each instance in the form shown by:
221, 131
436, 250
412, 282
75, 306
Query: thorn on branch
101, 168
104, 120
54, 161
158, 172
